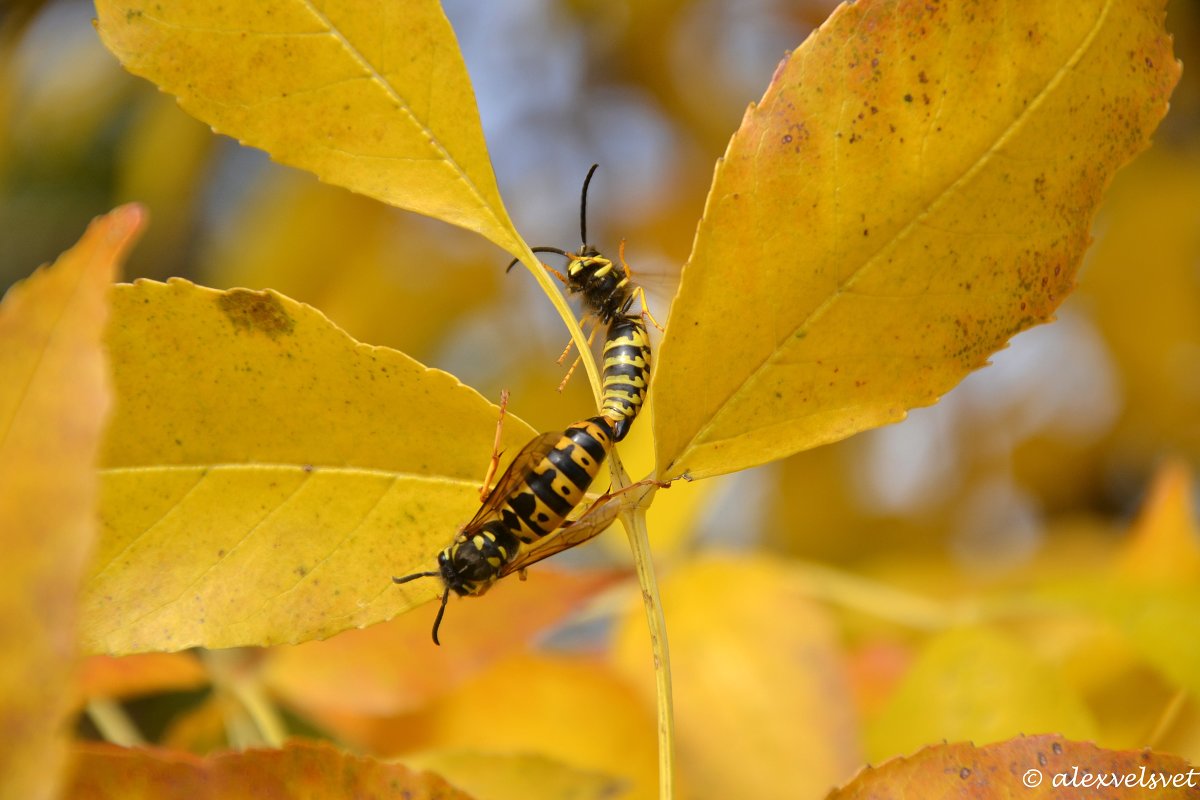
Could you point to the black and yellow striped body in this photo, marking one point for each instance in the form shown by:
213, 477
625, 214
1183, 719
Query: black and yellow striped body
546, 481
626, 372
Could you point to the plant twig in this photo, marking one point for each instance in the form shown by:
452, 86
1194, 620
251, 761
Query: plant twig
113, 723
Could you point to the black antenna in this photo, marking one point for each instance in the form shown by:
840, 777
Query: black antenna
445, 597
583, 205
437, 622
416, 575
557, 250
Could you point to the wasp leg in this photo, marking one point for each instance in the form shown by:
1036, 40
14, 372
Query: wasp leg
641, 296
495, 462
608, 497
575, 363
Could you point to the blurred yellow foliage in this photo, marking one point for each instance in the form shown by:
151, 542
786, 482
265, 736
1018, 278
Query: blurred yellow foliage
54, 398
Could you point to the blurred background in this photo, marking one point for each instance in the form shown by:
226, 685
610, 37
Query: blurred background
1069, 421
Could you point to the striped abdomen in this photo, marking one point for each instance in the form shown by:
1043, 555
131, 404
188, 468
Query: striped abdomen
557, 483
626, 372
542, 495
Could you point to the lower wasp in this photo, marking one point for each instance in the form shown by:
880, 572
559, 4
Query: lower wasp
523, 518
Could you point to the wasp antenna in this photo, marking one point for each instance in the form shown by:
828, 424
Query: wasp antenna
583, 205
556, 250
437, 622
414, 576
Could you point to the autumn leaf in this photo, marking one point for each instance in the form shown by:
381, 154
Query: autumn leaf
265, 475
518, 776
1034, 767
762, 706
300, 769
915, 188
1149, 594
572, 710
1164, 545
54, 398
378, 672
145, 673
979, 685
367, 95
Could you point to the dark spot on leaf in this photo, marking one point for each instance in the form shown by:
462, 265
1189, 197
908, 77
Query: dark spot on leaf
908, 98
964, 773
256, 311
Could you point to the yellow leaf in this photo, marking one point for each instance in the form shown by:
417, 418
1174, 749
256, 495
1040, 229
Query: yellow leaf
1165, 543
369, 95
1158, 619
975, 684
265, 475
571, 710
762, 705
1030, 767
301, 769
914, 189
54, 397
516, 777
1151, 324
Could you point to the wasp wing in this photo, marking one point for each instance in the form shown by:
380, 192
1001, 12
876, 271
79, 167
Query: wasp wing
594, 521
537, 449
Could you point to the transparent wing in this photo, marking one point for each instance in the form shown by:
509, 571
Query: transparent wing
514, 476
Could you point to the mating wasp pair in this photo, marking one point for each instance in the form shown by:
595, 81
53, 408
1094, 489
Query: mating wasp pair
523, 519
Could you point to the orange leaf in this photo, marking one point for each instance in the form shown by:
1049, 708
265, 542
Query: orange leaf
570, 710
300, 769
54, 398
105, 676
394, 668
914, 189
1031, 768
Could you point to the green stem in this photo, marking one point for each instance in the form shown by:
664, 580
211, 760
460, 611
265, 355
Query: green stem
251, 719
634, 521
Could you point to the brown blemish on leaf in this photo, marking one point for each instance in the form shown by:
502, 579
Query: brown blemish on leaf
256, 311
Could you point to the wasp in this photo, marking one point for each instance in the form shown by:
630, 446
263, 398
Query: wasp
608, 293
522, 520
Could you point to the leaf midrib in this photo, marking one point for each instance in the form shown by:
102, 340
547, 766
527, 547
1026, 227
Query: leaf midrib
403, 105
